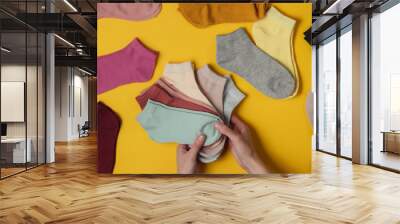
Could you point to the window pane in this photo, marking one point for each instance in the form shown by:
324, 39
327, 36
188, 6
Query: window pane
327, 97
346, 94
31, 100
15, 150
385, 89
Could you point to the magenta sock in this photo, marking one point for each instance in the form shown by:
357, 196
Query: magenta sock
134, 63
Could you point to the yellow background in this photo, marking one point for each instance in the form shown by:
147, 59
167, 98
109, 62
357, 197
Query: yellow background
281, 127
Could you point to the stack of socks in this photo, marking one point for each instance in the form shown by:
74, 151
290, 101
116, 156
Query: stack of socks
183, 104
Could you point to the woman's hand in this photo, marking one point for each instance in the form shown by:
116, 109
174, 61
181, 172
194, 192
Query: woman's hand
242, 146
187, 156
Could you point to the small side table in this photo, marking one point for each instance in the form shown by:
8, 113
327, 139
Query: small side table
391, 141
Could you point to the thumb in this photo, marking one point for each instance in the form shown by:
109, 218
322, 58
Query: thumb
225, 130
197, 145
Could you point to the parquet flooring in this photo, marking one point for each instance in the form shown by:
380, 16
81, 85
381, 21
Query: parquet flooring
70, 191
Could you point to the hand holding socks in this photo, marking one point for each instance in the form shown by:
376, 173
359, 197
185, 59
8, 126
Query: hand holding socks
236, 52
205, 14
134, 63
169, 91
170, 124
128, 11
274, 35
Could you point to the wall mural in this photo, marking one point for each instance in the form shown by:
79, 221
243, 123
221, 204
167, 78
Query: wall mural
170, 72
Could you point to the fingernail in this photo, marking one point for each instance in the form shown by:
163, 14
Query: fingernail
201, 136
217, 125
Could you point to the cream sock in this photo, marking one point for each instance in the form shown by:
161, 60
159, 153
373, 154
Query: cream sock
181, 76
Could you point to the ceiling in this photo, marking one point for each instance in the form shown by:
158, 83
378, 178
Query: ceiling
332, 15
74, 22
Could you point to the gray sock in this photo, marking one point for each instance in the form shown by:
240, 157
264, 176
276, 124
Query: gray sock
232, 97
237, 53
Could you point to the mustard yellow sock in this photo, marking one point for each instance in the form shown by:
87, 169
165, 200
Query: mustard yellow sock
206, 14
274, 35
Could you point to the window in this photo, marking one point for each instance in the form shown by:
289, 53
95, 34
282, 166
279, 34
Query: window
385, 89
326, 134
394, 102
334, 73
346, 93
22, 77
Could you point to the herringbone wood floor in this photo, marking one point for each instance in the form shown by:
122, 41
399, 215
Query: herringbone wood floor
70, 191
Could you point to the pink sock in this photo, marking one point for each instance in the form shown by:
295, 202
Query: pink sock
134, 63
176, 93
213, 86
128, 11
158, 94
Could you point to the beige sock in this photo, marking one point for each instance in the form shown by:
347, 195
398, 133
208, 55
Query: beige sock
181, 76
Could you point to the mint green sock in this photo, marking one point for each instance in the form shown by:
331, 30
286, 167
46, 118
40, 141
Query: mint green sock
169, 124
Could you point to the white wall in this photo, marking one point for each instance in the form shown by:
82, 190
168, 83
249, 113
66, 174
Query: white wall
34, 125
16, 73
71, 102
61, 103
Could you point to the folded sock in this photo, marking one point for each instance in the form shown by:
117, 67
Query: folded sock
205, 14
211, 153
274, 35
170, 124
212, 85
134, 63
178, 94
236, 52
157, 93
182, 77
128, 11
232, 97
212, 158
107, 136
